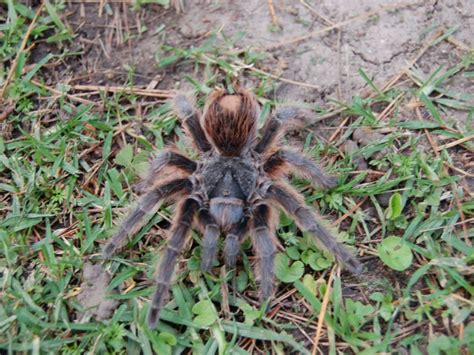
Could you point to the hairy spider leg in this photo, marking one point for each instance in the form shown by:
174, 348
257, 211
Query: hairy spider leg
287, 198
191, 120
233, 240
300, 165
264, 245
210, 239
145, 206
274, 127
178, 237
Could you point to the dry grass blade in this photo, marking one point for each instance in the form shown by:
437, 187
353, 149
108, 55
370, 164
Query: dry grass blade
322, 313
390, 107
350, 212
69, 96
339, 129
271, 8
22, 48
317, 14
164, 94
456, 142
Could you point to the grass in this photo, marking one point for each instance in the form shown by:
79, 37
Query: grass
67, 171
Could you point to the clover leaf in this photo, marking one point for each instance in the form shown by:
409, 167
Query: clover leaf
288, 272
395, 253
205, 314
125, 156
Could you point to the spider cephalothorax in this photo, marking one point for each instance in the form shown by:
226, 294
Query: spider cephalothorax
232, 190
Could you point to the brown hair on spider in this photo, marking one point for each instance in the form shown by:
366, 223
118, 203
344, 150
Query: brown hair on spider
230, 120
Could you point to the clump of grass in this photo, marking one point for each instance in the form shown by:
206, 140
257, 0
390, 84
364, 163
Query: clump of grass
67, 171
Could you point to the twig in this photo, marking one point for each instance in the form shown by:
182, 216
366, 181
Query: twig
289, 81
458, 44
272, 13
314, 33
392, 82
57, 92
165, 94
434, 145
101, 1
455, 143
348, 213
465, 173
101, 7
276, 77
322, 312
461, 333
20, 51
310, 8
368, 171
341, 126
389, 107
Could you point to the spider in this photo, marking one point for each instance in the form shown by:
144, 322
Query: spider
233, 189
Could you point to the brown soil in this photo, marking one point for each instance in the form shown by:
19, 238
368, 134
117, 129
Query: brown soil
110, 42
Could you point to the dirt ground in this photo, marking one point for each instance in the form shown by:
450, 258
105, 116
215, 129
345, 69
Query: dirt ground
325, 66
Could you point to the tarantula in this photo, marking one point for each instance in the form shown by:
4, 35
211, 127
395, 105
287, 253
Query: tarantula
232, 190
